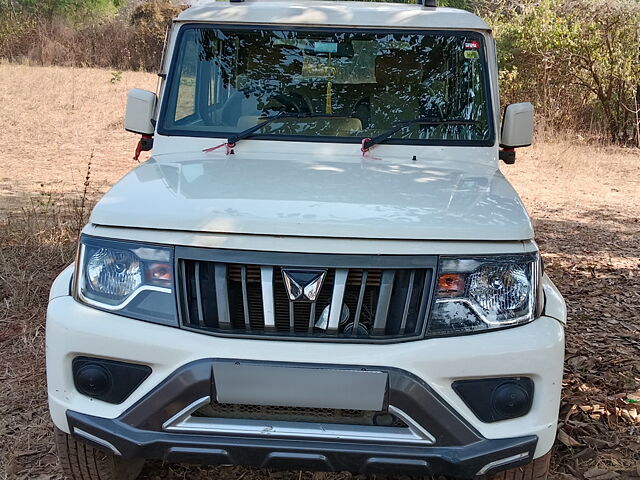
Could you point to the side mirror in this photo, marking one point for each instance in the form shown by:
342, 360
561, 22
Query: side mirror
141, 106
517, 130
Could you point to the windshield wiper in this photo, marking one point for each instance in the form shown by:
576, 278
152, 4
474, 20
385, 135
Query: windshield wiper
258, 126
367, 143
250, 131
231, 141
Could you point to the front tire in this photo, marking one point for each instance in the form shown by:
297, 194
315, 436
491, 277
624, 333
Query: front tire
536, 470
80, 461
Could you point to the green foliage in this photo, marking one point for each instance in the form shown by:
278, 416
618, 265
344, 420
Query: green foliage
67, 9
13, 27
150, 21
578, 60
116, 76
461, 4
131, 40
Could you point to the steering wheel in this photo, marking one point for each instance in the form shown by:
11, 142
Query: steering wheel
292, 103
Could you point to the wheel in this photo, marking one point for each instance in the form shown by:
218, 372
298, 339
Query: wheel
80, 461
536, 470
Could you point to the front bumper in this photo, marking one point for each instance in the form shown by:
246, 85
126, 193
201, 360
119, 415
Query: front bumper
485, 456
158, 426
535, 351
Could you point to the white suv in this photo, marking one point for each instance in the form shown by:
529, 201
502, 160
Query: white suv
321, 266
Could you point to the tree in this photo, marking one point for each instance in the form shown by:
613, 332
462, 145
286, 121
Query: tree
68, 9
578, 60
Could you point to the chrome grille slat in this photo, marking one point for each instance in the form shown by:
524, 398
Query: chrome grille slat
268, 304
407, 301
335, 310
199, 295
292, 314
185, 290
363, 286
245, 297
384, 298
251, 298
312, 318
222, 295
425, 297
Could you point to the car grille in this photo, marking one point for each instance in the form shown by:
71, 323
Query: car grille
382, 298
300, 414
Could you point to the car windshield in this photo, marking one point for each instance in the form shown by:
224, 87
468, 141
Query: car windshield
349, 85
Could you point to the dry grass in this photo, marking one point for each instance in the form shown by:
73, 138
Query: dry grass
34, 246
54, 119
584, 199
132, 39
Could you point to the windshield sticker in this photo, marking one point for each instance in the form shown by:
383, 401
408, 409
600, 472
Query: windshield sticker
317, 67
471, 54
472, 45
288, 42
358, 69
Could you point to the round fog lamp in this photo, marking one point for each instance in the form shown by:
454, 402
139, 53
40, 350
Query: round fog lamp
93, 380
511, 400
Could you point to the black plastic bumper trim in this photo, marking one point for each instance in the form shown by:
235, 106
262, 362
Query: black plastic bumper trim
456, 461
459, 449
405, 391
479, 396
123, 378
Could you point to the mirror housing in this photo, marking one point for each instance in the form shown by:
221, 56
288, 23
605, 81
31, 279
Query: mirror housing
141, 106
517, 126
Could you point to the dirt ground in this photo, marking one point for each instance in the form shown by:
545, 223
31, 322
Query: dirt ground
584, 200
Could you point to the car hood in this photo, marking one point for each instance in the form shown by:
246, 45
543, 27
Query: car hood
427, 199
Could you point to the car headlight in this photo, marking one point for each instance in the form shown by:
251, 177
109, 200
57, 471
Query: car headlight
131, 279
477, 294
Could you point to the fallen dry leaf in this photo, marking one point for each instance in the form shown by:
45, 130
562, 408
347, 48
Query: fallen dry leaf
567, 440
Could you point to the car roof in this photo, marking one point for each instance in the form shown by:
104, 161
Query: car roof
332, 13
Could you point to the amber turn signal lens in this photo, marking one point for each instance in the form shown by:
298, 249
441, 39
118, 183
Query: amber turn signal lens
451, 285
160, 271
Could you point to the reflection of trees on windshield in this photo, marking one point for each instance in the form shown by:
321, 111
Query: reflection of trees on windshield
225, 81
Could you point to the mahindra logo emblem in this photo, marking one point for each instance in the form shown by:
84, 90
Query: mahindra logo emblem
303, 285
